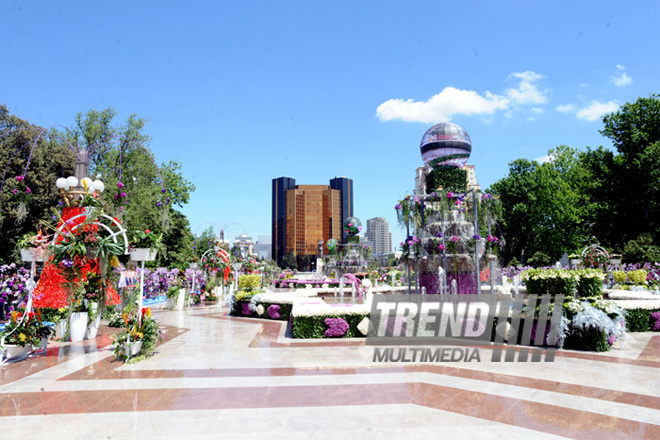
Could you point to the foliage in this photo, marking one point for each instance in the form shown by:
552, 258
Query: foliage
447, 177
289, 261
146, 239
50, 160
587, 339
637, 277
638, 320
641, 250
565, 282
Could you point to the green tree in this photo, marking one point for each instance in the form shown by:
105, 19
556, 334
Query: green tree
289, 261
50, 160
635, 133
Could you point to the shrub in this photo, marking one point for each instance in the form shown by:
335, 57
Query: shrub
638, 320
619, 276
641, 250
249, 282
638, 277
587, 339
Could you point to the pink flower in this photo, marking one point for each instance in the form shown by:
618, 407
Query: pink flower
122, 195
20, 178
450, 195
441, 247
454, 239
120, 185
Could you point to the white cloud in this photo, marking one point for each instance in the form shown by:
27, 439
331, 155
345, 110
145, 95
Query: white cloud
544, 159
596, 109
441, 107
537, 110
527, 92
622, 79
565, 108
452, 101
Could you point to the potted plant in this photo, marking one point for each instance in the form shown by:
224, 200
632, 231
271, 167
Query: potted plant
22, 333
145, 245
32, 246
140, 334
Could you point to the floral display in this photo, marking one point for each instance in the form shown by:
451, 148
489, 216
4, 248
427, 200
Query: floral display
13, 287
25, 329
274, 311
138, 326
337, 327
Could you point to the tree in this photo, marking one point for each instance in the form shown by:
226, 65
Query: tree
289, 261
50, 160
635, 132
544, 207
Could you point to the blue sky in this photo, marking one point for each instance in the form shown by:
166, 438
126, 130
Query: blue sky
243, 91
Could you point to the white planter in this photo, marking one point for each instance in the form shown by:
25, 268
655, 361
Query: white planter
93, 327
30, 255
193, 265
169, 304
181, 299
576, 262
143, 254
78, 326
15, 351
134, 349
61, 328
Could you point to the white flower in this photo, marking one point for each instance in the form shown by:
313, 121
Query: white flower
260, 310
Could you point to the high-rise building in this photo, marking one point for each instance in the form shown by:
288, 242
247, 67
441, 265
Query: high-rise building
378, 233
280, 186
303, 215
345, 186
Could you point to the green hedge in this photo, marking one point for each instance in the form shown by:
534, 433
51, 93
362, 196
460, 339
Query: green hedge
639, 320
285, 311
313, 327
589, 339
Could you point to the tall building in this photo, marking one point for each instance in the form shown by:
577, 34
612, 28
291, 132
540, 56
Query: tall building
280, 186
303, 215
345, 186
378, 233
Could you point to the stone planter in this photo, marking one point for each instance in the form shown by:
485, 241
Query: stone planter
61, 328
133, 348
143, 254
575, 262
16, 351
78, 326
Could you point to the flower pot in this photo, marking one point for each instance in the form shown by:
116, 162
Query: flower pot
576, 262
181, 299
32, 254
93, 327
61, 328
16, 351
143, 254
133, 348
78, 326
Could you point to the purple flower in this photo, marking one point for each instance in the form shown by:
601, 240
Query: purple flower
163, 190
450, 195
28, 190
439, 235
454, 239
67, 263
20, 178
441, 247
122, 195
54, 217
120, 185
337, 327
398, 207
274, 311
14, 191
116, 196
158, 204
476, 237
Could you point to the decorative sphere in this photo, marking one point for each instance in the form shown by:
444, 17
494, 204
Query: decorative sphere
446, 143
61, 182
98, 185
332, 244
352, 226
71, 181
87, 183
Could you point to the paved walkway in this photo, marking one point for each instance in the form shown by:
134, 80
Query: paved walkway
222, 377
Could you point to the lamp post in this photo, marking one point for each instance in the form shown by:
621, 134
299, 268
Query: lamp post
73, 194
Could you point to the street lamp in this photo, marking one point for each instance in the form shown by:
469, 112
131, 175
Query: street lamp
73, 195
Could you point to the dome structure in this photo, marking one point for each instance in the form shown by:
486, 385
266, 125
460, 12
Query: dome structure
446, 143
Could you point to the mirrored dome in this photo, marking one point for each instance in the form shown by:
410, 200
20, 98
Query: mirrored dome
446, 143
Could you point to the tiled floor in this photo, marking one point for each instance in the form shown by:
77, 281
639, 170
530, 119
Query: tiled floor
221, 377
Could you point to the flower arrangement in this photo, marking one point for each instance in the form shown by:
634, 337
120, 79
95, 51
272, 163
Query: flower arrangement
25, 329
146, 239
13, 285
138, 327
22, 194
412, 245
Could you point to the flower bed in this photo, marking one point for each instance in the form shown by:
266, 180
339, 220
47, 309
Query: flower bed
313, 318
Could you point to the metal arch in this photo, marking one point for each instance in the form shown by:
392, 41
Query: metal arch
594, 247
121, 231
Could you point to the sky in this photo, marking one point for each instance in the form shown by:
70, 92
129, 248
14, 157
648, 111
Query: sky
241, 92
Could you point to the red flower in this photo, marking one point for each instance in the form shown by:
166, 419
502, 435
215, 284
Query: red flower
147, 231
